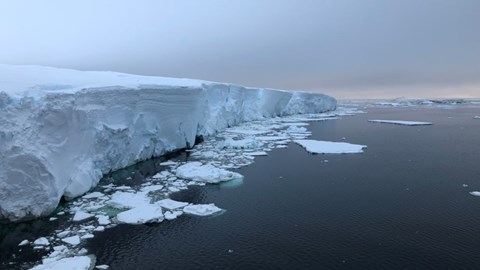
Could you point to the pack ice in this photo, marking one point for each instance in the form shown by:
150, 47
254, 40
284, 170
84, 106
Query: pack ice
61, 130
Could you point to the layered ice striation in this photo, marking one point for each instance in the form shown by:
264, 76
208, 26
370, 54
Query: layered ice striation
61, 130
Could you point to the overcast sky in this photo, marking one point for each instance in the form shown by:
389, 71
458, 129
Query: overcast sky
346, 48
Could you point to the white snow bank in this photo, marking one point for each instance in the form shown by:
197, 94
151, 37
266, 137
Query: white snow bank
201, 209
400, 122
326, 147
196, 171
73, 263
61, 130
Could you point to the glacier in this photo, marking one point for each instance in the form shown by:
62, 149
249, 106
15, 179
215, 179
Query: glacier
61, 130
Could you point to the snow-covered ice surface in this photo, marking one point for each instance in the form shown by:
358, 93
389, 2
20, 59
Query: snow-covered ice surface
401, 122
326, 147
61, 130
111, 204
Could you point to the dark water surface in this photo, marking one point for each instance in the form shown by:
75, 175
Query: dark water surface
399, 205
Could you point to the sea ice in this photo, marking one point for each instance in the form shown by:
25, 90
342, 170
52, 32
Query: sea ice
400, 122
141, 215
80, 215
122, 200
93, 195
201, 209
257, 153
103, 220
196, 171
72, 263
246, 143
72, 240
326, 147
171, 204
42, 241
24, 242
475, 193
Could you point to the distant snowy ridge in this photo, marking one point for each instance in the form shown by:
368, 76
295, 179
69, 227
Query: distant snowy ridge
61, 130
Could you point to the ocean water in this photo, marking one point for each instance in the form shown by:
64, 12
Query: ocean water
402, 204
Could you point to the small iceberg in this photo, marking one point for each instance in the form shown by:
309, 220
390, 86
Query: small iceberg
475, 193
326, 147
401, 122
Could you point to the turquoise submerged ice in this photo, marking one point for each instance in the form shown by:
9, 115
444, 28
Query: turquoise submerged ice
61, 130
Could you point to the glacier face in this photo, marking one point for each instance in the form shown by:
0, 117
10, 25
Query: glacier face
61, 130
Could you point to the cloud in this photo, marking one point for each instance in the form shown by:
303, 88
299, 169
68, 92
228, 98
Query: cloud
324, 44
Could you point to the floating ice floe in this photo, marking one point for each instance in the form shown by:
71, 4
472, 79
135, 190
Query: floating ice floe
257, 153
201, 209
73, 263
247, 143
72, 240
196, 171
141, 215
475, 193
24, 242
93, 195
401, 122
476, 117
326, 147
42, 241
171, 204
80, 215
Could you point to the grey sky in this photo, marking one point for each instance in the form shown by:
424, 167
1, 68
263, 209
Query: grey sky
346, 48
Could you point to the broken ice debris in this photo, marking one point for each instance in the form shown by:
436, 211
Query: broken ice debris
171, 204
72, 263
140, 215
400, 122
42, 241
79, 216
326, 147
24, 242
72, 240
93, 195
201, 209
205, 173
475, 193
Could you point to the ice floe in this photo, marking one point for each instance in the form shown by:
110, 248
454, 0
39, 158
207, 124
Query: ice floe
72, 240
80, 215
42, 241
401, 122
196, 171
171, 204
72, 263
475, 193
326, 147
141, 215
201, 209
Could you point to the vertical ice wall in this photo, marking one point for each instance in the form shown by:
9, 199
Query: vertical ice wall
61, 143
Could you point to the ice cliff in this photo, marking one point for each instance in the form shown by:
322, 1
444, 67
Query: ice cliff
61, 130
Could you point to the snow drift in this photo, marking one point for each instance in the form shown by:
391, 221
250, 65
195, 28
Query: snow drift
61, 130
